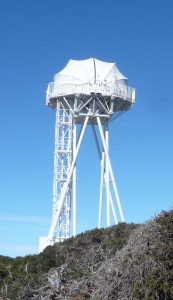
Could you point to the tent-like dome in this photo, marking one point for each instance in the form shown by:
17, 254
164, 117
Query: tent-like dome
89, 76
88, 70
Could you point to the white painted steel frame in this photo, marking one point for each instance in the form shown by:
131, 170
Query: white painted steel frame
106, 136
55, 233
104, 142
93, 102
104, 178
66, 151
62, 162
74, 181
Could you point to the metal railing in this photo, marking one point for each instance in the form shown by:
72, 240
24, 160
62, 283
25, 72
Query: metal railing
115, 88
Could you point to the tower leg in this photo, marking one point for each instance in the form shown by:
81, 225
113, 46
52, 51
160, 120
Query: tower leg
113, 210
110, 169
101, 190
106, 133
62, 162
66, 185
102, 179
55, 181
74, 181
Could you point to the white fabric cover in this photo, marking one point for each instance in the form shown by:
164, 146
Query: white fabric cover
83, 71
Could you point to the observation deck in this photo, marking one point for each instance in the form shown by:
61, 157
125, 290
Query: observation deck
90, 86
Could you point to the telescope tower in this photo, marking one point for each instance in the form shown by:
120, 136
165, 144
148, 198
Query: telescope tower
85, 93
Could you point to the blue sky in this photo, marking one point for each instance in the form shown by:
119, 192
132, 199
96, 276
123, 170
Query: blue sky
37, 38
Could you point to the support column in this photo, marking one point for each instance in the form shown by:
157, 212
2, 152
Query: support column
101, 190
74, 182
66, 185
110, 169
106, 134
55, 177
102, 179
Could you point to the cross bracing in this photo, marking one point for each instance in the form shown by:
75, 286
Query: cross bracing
93, 112
95, 103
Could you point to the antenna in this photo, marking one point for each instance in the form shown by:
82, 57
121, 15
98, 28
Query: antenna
87, 92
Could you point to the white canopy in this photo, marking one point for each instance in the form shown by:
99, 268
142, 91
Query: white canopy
88, 70
90, 76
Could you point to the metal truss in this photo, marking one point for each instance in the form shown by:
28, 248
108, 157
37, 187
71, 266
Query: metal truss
92, 111
62, 163
66, 152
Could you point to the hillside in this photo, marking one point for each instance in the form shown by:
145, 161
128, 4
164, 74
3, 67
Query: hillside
124, 262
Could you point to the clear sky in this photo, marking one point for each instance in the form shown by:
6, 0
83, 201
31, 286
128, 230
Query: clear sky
37, 38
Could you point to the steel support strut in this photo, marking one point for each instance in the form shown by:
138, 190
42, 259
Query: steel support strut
74, 181
110, 169
102, 180
106, 135
101, 190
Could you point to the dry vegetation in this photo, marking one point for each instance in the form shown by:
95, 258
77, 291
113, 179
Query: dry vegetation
123, 262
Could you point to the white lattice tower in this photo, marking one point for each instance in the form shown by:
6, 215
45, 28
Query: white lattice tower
89, 92
62, 162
